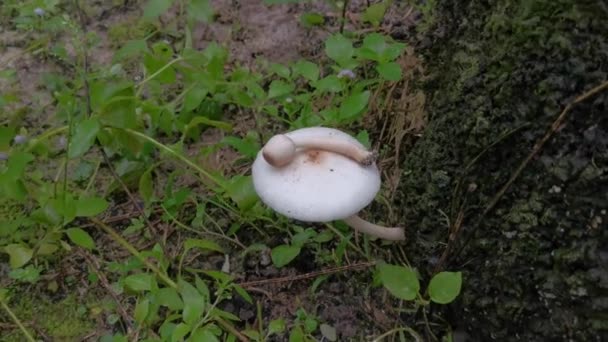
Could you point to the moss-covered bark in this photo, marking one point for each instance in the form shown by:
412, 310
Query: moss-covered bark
536, 267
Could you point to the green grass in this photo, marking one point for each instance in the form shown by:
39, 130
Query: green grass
129, 132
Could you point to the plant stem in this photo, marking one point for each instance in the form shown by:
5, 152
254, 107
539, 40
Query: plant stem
15, 319
158, 72
174, 154
133, 251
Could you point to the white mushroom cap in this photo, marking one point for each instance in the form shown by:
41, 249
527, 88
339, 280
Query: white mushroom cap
317, 186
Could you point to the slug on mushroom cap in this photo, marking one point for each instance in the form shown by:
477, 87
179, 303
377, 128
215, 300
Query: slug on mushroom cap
320, 174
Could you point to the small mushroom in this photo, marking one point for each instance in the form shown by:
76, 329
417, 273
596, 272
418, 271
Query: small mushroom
320, 174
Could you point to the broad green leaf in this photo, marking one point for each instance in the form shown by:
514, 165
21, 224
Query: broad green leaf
202, 244
84, 137
115, 102
201, 10
284, 254
311, 19
169, 297
279, 88
81, 238
390, 71
203, 334
18, 254
353, 105
160, 68
280, 70
194, 97
90, 206
246, 147
131, 48
306, 69
194, 302
155, 8
180, 331
401, 282
339, 48
329, 84
374, 13
141, 311
140, 282
296, 335
276, 326
29, 274
445, 287
240, 189
17, 163
373, 46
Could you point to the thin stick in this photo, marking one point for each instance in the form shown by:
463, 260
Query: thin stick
308, 275
17, 321
537, 147
133, 251
106, 284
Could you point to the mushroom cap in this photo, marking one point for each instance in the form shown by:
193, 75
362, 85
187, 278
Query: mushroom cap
317, 186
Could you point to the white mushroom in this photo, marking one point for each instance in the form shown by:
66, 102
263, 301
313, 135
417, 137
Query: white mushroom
320, 174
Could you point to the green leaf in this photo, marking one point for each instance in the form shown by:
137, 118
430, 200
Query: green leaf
390, 71
155, 8
329, 84
445, 287
131, 48
194, 97
194, 302
401, 282
146, 186
339, 48
90, 206
18, 254
279, 88
311, 19
169, 297
204, 334
280, 70
276, 326
240, 190
141, 311
246, 147
202, 244
363, 138
201, 10
241, 291
306, 69
284, 254
84, 137
353, 105
115, 102
373, 46
81, 238
140, 282
296, 335
374, 13
180, 331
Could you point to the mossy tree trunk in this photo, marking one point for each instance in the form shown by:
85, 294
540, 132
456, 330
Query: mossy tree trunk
536, 266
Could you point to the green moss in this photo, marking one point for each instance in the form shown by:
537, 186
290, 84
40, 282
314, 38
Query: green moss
66, 320
534, 265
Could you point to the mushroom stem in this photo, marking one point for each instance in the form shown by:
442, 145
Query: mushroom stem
386, 233
280, 149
